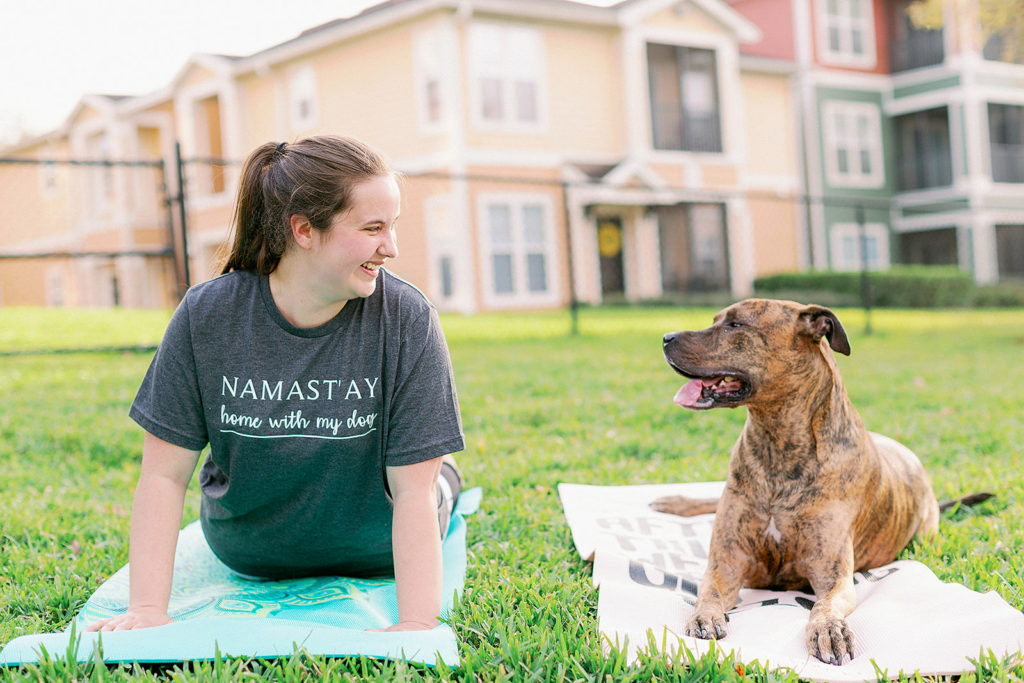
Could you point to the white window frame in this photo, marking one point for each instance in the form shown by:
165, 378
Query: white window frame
845, 23
303, 103
848, 138
849, 259
434, 60
511, 55
520, 296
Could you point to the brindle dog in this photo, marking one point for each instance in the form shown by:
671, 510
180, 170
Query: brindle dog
811, 496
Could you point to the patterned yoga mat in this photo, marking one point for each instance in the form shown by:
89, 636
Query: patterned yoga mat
215, 611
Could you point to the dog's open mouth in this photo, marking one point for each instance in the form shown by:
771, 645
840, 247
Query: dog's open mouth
704, 392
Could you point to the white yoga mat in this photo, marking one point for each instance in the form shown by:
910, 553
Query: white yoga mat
647, 566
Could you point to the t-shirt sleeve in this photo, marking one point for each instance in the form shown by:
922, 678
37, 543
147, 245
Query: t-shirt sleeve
168, 404
424, 420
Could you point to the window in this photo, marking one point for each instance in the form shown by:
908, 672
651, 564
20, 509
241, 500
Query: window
302, 100
936, 247
853, 246
433, 54
507, 76
846, 32
48, 180
1006, 142
684, 98
694, 247
101, 177
915, 35
1010, 251
1002, 31
55, 287
923, 150
853, 144
517, 239
209, 177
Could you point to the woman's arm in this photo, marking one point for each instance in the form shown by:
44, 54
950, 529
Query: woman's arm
416, 539
156, 520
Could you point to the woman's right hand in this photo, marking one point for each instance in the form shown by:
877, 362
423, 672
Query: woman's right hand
134, 618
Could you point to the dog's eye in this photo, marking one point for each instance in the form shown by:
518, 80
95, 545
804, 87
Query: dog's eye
734, 323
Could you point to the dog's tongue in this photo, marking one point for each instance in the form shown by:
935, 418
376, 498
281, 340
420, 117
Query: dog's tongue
689, 394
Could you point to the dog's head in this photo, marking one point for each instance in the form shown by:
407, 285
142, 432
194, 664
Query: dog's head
758, 349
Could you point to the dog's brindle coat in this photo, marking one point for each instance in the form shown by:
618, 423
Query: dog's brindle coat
811, 496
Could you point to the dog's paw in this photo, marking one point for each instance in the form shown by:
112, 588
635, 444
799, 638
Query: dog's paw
707, 625
683, 506
830, 640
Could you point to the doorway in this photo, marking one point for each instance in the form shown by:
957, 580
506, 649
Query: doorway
609, 248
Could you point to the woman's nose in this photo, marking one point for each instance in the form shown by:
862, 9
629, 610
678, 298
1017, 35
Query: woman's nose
389, 245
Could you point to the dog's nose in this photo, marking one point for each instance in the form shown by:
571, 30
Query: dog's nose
667, 339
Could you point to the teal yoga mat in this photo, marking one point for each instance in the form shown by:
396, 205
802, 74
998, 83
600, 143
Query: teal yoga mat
216, 612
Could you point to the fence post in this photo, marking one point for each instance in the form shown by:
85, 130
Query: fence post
574, 304
865, 280
182, 213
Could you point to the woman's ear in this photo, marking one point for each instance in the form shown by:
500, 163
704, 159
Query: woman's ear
302, 230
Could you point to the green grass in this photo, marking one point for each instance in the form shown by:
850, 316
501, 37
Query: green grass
539, 407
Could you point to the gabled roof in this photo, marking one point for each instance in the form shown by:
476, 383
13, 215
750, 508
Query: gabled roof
222, 64
622, 14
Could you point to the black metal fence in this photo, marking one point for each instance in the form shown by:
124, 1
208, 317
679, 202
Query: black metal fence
155, 197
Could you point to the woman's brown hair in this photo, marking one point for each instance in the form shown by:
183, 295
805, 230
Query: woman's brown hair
312, 177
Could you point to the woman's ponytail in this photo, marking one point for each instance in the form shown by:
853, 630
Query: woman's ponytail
312, 177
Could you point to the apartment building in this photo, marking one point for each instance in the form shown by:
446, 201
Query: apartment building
552, 151
912, 121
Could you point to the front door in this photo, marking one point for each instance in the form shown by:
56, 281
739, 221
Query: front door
609, 246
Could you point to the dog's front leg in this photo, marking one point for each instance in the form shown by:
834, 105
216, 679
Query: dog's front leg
718, 592
829, 637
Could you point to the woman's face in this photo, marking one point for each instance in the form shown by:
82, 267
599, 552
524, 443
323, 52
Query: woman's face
360, 240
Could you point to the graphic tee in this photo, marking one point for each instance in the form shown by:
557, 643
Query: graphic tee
301, 421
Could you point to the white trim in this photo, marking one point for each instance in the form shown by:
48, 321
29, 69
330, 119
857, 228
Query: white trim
632, 13
843, 235
846, 24
925, 101
520, 297
853, 80
849, 138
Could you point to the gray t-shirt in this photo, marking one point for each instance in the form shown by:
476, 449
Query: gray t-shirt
301, 422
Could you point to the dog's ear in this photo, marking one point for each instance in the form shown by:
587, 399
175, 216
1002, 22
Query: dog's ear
818, 322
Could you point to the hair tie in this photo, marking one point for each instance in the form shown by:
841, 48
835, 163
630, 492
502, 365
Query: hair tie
279, 152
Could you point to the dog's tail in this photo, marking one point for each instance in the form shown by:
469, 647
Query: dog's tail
965, 501
685, 506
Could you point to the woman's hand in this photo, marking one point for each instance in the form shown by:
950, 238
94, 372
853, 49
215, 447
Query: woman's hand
141, 617
407, 626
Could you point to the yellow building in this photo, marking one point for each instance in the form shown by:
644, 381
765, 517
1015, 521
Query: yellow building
551, 151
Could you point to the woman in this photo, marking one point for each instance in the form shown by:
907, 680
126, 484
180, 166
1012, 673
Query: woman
322, 384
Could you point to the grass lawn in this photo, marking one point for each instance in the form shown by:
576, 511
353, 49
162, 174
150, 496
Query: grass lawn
539, 407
